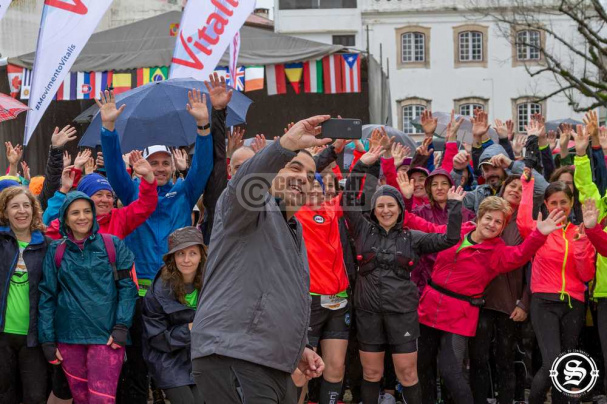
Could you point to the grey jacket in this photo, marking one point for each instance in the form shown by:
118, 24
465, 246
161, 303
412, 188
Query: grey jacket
473, 199
255, 301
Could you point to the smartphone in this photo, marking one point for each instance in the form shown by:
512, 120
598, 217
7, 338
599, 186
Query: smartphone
342, 129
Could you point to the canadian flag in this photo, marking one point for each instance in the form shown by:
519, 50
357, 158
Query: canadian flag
15, 75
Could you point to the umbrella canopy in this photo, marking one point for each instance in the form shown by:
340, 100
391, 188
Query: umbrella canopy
10, 107
554, 124
464, 134
155, 114
401, 137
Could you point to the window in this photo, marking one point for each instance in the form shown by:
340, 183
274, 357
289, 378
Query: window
315, 4
413, 50
410, 112
524, 113
470, 46
528, 43
345, 40
468, 109
413, 47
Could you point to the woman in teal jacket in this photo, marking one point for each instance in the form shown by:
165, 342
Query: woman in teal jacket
86, 303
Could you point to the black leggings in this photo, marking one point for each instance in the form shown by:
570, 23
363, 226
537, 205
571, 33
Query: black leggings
493, 324
451, 351
184, 395
557, 328
21, 369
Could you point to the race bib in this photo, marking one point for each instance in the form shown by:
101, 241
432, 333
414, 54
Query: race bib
333, 302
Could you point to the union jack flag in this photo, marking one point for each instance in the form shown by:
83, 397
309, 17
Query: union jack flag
239, 79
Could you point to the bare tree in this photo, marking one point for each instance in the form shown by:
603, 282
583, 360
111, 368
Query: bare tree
578, 63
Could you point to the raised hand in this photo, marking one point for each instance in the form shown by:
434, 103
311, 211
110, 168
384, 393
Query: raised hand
197, 107
61, 137
340, 144
500, 160
510, 128
375, 138
555, 220
461, 160
89, 167
370, 157
235, 140
590, 213
456, 194
26, 171
582, 140
107, 109
552, 139
13, 154
67, 179
141, 166
518, 144
603, 137
453, 127
218, 91
399, 152
480, 125
534, 128
67, 159
304, 134
501, 129
423, 149
591, 120
406, 184
181, 159
429, 123
258, 143
81, 158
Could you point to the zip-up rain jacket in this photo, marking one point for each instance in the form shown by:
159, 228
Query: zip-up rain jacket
565, 263
80, 302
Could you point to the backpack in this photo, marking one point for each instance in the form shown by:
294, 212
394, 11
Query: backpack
111, 252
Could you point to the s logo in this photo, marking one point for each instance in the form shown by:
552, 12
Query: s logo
73, 6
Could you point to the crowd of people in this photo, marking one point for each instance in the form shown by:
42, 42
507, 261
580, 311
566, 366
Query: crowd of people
268, 274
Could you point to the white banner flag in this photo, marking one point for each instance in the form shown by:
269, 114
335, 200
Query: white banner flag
234, 51
3, 7
65, 28
206, 29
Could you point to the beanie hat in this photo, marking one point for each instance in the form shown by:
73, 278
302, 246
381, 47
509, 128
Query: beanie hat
8, 183
93, 183
36, 184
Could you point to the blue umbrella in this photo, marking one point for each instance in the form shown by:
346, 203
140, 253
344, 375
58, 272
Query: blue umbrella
155, 114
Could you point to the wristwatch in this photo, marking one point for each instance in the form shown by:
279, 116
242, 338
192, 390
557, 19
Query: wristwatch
205, 127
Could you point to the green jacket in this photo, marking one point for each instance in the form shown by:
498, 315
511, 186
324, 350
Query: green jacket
588, 189
80, 303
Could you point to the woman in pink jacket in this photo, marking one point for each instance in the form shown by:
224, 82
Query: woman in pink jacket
558, 282
449, 307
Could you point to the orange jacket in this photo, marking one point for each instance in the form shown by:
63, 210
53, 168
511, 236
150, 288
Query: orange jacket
566, 261
325, 254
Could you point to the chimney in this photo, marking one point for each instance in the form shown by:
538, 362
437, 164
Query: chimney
262, 12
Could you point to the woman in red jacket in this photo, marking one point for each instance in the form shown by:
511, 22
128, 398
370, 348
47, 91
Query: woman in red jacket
558, 281
449, 307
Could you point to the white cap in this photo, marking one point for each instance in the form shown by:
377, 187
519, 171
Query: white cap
148, 151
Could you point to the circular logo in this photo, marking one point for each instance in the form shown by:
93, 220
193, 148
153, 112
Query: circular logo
319, 219
574, 373
347, 319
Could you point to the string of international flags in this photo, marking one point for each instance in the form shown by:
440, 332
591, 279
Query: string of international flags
334, 74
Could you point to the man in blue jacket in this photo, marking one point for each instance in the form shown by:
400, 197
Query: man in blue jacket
175, 204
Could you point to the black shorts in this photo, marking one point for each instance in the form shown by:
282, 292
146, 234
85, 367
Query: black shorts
328, 324
375, 331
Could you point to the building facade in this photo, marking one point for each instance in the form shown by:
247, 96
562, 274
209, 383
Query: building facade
439, 53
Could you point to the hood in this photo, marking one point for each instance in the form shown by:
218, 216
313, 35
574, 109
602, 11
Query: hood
387, 190
438, 171
491, 151
71, 197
